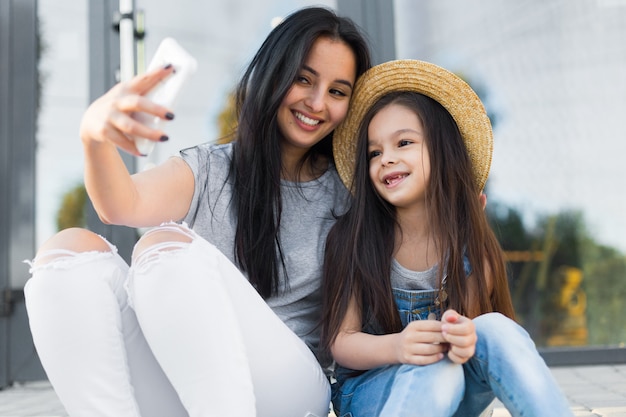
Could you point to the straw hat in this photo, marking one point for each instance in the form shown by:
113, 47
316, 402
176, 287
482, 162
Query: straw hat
431, 80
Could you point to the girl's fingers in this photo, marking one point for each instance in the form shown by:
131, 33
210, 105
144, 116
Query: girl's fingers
455, 324
460, 333
428, 348
461, 336
424, 326
450, 316
426, 341
461, 329
425, 359
425, 353
461, 355
461, 341
457, 359
425, 337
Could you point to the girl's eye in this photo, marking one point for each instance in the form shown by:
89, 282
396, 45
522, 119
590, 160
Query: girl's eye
373, 154
404, 142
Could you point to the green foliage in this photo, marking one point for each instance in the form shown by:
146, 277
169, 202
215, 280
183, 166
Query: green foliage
538, 286
508, 226
605, 286
72, 211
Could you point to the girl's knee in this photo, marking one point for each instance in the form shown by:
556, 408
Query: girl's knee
444, 373
441, 383
495, 329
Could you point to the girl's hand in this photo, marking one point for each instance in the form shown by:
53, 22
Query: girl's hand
460, 333
420, 343
109, 118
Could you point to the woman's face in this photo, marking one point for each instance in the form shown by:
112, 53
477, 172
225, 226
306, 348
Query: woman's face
399, 163
319, 97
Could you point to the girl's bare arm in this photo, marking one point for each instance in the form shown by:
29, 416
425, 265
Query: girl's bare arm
420, 343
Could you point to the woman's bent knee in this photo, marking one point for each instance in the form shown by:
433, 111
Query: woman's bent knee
72, 265
169, 236
70, 243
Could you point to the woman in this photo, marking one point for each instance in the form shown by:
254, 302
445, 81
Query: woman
217, 317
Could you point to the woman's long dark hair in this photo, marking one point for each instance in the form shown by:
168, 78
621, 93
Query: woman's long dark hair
360, 245
256, 165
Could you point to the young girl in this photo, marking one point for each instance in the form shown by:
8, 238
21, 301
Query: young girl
218, 317
417, 312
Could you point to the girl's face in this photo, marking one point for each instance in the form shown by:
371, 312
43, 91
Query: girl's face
318, 99
399, 163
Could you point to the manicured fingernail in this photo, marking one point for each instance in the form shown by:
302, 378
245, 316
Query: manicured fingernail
164, 138
168, 66
169, 116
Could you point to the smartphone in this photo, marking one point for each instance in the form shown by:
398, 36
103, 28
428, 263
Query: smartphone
185, 65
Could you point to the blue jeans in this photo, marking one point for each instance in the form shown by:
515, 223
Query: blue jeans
506, 365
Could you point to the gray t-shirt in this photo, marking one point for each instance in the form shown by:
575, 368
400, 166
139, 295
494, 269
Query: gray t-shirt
309, 210
407, 279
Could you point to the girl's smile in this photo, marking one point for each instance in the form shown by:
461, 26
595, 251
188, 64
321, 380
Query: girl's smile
399, 160
394, 179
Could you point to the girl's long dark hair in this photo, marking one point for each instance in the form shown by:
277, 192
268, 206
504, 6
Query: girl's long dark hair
360, 245
256, 165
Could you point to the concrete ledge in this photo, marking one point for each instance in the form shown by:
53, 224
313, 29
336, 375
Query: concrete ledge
583, 355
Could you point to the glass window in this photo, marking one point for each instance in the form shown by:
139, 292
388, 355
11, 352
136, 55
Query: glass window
551, 75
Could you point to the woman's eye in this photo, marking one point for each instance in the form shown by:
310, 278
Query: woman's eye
336, 92
302, 79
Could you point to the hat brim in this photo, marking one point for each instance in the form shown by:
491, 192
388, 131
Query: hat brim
454, 94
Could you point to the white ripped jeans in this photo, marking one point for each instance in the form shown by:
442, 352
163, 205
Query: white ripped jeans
180, 333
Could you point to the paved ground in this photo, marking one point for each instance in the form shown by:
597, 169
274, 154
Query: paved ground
593, 391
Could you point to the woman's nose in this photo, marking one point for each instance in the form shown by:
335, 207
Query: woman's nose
315, 100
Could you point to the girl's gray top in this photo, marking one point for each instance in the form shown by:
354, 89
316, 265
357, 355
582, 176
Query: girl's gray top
309, 210
407, 279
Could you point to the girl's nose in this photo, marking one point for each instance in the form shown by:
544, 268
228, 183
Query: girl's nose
387, 158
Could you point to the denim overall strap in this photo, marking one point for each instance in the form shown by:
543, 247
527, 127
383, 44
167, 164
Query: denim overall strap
416, 305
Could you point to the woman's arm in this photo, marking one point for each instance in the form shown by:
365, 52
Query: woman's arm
145, 199
420, 343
